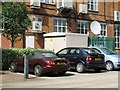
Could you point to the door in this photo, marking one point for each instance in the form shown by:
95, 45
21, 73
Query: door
75, 56
29, 41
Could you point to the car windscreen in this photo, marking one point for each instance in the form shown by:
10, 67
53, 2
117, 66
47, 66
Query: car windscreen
107, 51
48, 55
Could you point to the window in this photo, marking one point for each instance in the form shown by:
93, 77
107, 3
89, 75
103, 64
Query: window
116, 15
49, 55
117, 36
37, 55
63, 52
48, 1
83, 27
60, 25
74, 52
103, 29
93, 5
64, 3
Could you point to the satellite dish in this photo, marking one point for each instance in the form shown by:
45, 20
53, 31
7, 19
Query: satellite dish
95, 27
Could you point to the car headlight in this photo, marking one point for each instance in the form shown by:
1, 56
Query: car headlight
117, 59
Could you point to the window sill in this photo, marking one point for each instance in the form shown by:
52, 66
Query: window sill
48, 3
92, 11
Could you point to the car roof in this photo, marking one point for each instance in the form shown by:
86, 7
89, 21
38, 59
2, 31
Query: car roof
96, 47
45, 51
73, 47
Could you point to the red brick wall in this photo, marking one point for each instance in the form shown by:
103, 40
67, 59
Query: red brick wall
5, 43
48, 21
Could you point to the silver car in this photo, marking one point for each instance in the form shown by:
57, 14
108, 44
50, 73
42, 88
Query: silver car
112, 59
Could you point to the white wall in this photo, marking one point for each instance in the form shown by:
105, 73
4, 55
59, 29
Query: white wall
29, 41
76, 40
55, 43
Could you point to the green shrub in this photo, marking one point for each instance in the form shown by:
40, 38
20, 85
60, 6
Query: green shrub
9, 54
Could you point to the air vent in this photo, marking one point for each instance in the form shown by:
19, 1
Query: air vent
35, 3
36, 26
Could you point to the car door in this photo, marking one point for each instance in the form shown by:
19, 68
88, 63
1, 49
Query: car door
20, 64
64, 53
72, 54
75, 56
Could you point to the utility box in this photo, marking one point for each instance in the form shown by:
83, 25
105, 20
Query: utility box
56, 41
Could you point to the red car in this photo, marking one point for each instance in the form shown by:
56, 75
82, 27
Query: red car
42, 62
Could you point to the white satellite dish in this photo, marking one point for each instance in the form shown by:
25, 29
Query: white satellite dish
95, 27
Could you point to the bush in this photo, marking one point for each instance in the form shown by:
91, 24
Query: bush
9, 54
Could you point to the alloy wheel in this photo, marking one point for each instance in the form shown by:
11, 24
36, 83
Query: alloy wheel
109, 66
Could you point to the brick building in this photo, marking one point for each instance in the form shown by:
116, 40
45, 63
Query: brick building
71, 16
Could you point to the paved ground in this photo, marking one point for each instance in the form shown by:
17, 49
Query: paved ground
70, 80
9, 77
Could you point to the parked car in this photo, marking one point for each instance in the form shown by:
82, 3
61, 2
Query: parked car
112, 59
42, 62
80, 59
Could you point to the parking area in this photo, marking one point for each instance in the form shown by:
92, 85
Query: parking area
71, 79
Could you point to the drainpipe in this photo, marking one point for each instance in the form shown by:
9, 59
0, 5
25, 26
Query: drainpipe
105, 10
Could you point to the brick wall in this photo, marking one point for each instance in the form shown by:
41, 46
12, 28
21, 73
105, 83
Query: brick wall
48, 12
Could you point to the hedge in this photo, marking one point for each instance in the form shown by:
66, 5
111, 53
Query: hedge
8, 54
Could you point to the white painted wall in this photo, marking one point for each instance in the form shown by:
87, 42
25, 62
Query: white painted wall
76, 40
57, 41
29, 41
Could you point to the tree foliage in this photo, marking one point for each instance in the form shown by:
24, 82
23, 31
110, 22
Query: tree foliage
16, 20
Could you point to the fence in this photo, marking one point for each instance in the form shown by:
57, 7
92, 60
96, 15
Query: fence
108, 42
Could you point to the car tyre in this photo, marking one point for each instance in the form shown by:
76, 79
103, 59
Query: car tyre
109, 66
80, 68
38, 70
12, 67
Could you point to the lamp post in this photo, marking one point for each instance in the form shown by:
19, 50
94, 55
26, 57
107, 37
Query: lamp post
26, 67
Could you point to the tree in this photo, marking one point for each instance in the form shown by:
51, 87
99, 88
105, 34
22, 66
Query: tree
16, 20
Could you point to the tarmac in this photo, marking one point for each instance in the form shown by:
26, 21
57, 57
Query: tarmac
10, 77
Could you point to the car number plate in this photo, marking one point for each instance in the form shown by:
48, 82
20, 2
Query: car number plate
98, 59
60, 63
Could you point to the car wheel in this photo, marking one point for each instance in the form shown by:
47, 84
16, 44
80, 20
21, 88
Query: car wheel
37, 70
80, 67
12, 67
109, 66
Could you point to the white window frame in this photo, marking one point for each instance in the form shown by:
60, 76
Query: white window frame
116, 15
48, 1
57, 26
65, 3
103, 32
84, 29
117, 36
93, 5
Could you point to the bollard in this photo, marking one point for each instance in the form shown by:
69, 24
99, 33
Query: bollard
26, 69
